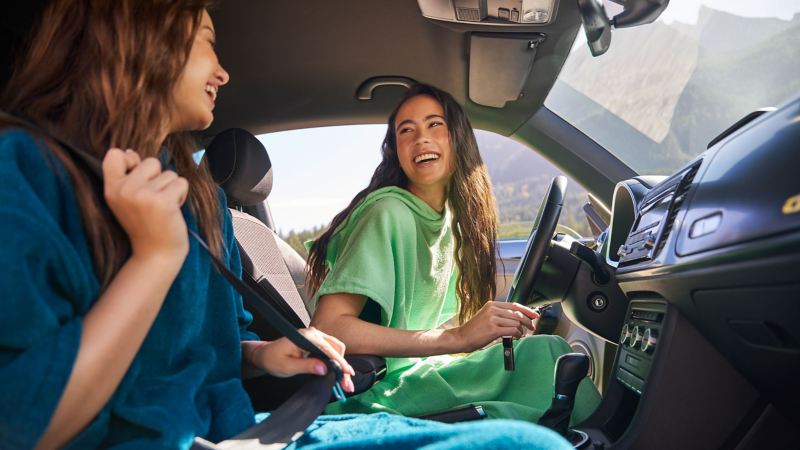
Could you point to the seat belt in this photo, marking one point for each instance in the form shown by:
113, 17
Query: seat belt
285, 424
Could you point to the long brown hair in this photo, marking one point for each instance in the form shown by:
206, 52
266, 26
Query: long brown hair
98, 74
469, 196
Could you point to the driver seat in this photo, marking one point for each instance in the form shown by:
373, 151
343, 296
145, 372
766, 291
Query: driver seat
239, 164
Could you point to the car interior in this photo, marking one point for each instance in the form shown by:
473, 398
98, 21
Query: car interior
684, 303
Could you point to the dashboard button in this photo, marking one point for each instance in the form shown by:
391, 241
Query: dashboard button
649, 240
705, 225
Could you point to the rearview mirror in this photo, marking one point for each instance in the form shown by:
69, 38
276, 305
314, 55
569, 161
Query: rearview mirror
597, 25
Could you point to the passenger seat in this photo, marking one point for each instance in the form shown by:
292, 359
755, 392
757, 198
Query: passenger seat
239, 164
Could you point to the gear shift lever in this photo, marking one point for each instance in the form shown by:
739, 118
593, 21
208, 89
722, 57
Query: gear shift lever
570, 370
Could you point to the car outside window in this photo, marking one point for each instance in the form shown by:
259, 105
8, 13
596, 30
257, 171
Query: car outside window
663, 91
520, 178
318, 171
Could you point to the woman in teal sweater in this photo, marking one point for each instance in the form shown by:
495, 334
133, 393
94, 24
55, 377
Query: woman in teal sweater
115, 331
415, 249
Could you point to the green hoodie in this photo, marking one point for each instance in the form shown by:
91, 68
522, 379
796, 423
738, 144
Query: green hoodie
396, 250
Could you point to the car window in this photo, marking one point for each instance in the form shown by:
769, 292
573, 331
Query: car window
317, 172
520, 178
662, 92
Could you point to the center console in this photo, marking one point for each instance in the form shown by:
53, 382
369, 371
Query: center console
667, 385
638, 343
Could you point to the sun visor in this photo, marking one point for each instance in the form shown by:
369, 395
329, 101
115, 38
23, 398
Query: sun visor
499, 66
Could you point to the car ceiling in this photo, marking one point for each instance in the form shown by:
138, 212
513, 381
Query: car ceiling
298, 64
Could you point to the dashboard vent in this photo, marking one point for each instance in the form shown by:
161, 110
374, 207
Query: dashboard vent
677, 200
655, 217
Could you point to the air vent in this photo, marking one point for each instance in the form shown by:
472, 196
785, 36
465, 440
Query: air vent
677, 200
655, 217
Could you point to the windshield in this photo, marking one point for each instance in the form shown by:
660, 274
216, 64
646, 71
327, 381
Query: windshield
664, 90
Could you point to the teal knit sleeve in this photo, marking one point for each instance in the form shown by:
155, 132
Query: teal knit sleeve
47, 285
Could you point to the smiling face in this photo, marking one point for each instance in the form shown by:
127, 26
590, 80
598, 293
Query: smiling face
424, 148
196, 89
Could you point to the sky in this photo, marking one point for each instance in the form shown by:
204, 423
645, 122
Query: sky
310, 187
686, 10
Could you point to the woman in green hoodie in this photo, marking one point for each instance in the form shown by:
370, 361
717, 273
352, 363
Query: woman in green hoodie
416, 249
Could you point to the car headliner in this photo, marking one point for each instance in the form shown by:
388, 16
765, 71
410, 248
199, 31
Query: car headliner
298, 64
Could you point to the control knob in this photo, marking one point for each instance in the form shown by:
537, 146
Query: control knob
626, 334
636, 337
649, 339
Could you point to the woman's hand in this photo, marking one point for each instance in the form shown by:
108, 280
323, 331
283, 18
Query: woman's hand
147, 203
494, 320
282, 358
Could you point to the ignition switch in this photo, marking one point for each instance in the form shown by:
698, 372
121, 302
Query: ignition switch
598, 302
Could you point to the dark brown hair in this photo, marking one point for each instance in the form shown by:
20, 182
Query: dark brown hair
100, 74
469, 196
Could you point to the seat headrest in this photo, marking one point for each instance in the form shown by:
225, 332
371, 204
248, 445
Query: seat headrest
239, 164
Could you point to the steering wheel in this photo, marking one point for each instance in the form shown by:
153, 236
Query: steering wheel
544, 227
535, 251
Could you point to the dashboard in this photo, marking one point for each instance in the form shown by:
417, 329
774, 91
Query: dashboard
708, 259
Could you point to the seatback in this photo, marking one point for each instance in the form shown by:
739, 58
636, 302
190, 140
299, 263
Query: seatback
239, 163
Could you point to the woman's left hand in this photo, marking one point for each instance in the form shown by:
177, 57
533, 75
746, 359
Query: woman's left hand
281, 358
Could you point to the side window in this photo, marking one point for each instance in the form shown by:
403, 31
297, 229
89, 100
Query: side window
317, 171
520, 178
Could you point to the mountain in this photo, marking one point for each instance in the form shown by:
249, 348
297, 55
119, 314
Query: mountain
765, 75
720, 33
640, 78
520, 178
509, 161
655, 100
663, 91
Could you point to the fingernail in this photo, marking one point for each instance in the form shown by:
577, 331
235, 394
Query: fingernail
320, 369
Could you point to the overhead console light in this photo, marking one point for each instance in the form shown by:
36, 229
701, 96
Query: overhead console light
491, 12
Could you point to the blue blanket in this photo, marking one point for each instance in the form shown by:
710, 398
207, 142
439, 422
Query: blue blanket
387, 432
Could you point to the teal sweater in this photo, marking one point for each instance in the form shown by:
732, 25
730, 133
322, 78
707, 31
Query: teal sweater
186, 379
